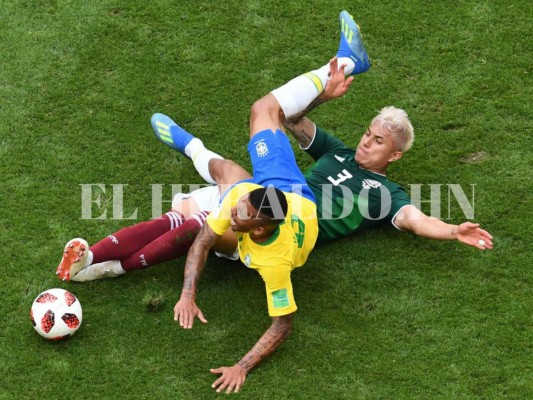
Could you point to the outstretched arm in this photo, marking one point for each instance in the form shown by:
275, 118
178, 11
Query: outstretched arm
185, 309
233, 377
302, 128
412, 219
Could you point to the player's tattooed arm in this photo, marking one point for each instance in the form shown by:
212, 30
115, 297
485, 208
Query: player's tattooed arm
186, 310
194, 265
276, 334
301, 127
232, 378
303, 130
314, 104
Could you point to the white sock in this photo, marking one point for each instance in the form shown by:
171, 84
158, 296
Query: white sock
200, 157
89, 259
297, 94
350, 65
193, 146
201, 163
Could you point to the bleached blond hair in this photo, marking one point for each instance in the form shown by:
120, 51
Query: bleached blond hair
397, 121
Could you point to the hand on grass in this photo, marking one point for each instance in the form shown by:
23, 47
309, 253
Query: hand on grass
232, 378
185, 311
471, 234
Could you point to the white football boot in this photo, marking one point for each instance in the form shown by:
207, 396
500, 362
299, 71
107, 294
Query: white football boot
106, 269
74, 259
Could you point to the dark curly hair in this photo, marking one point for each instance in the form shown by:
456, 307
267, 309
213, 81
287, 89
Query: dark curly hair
270, 203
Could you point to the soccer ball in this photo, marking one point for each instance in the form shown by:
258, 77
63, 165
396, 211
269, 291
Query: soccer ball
56, 314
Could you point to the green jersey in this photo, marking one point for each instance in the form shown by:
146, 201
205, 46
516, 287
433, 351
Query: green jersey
349, 198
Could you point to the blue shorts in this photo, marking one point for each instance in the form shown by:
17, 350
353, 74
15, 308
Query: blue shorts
274, 164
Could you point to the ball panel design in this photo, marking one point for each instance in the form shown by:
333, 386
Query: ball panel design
71, 320
56, 314
46, 298
48, 321
70, 298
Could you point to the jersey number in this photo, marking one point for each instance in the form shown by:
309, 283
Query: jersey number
343, 175
300, 233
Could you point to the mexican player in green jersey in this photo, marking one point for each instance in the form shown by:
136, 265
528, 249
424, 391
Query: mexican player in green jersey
349, 198
350, 185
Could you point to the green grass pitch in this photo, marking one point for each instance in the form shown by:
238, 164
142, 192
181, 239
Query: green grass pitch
382, 315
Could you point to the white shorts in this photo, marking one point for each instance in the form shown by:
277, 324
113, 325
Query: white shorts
206, 199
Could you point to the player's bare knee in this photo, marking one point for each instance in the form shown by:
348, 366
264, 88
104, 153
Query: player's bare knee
266, 105
216, 168
265, 114
258, 109
227, 171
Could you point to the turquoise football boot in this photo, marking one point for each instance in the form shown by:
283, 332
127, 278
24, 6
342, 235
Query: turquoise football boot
170, 133
351, 44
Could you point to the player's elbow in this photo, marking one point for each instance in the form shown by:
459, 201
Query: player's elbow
412, 220
267, 109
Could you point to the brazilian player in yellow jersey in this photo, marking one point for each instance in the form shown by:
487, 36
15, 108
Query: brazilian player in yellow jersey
274, 236
275, 257
273, 215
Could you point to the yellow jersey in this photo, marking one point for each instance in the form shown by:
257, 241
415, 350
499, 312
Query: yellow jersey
274, 259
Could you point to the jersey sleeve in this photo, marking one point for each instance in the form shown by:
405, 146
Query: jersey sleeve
399, 199
323, 143
219, 220
278, 287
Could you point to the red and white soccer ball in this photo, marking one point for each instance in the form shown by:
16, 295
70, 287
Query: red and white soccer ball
56, 314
